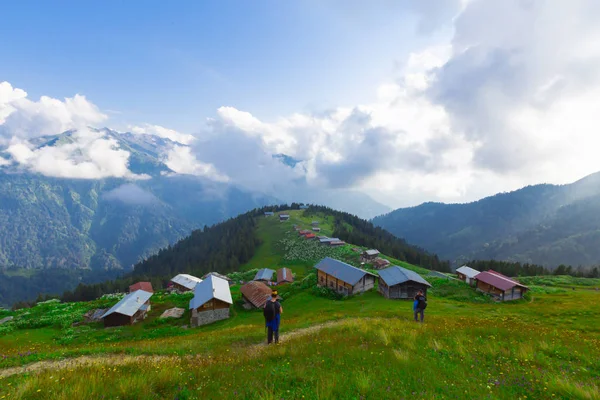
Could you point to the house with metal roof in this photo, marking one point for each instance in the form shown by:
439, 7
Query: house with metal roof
315, 223
369, 255
211, 301
265, 275
336, 243
255, 294
218, 275
501, 287
146, 286
401, 283
284, 275
328, 240
268, 213
467, 274
284, 217
316, 229
342, 277
129, 310
185, 282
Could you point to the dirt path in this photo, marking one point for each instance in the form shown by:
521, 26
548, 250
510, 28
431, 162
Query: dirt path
122, 359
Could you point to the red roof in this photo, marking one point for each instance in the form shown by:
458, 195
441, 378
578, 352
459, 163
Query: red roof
145, 286
497, 280
284, 275
304, 232
310, 236
256, 293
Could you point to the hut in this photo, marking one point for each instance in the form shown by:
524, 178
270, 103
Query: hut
185, 282
316, 229
467, 274
310, 236
314, 223
304, 232
401, 283
268, 213
211, 301
264, 275
342, 277
255, 294
129, 310
284, 217
218, 275
381, 263
327, 240
146, 286
501, 287
337, 243
369, 255
284, 275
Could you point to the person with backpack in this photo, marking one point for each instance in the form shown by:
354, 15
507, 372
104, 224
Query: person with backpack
419, 305
272, 313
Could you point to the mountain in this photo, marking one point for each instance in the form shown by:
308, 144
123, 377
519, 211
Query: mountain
541, 224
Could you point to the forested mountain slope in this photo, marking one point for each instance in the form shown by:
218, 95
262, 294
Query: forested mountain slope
542, 224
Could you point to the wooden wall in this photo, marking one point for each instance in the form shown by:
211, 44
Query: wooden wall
213, 304
333, 283
406, 290
366, 283
116, 319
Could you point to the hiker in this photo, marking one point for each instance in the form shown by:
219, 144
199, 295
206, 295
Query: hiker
272, 313
419, 305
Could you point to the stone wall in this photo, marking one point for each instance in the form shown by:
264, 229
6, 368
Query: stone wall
207, 317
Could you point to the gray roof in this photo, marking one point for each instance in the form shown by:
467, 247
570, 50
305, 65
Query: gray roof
187, 281
328, 239
340, 270
264, 274
218, 275
395, 275
130, 304
212, 287
372, 252
467, 271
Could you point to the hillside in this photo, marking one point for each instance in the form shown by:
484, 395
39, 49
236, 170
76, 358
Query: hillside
364, 346
253, 241
543, 224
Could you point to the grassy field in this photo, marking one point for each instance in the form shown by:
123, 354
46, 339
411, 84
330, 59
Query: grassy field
365, 347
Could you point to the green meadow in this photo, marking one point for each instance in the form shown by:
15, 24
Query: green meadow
546, 346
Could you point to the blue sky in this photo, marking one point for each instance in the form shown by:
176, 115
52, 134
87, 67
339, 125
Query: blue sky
404, 100
174, 65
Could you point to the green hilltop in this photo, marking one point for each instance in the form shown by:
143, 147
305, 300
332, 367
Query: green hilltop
365, 346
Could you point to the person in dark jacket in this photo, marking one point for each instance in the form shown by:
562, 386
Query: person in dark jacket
419, 305
272, 313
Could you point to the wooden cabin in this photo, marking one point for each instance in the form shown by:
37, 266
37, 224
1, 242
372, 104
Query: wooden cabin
185, 282
369, 255
284, 217
467, 274
501, 287
255, 294
316, 229
130, 309
342, 277
401, 283
264, 275
268, 213
380, 263
310, 236
218, 275
336, 243
211, 302
284, 275
145, 286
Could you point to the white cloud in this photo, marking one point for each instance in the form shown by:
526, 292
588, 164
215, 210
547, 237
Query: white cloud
181, 160
161, 131
90, 155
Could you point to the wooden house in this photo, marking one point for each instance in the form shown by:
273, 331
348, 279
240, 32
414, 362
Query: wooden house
185, 282
401, 283
264, 275
336, 243
381, 263
316, 229
501, 287
284, 217
369, 255
315, 223
218, 275
268, 213
328, 240
467, 274
146, 286
310, 236
211, 301
303, 232
129, 310
255, 294
342, 277
284, 275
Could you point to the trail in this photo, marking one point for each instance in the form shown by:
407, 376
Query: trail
123, 359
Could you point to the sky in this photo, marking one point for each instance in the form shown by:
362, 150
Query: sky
406, 101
